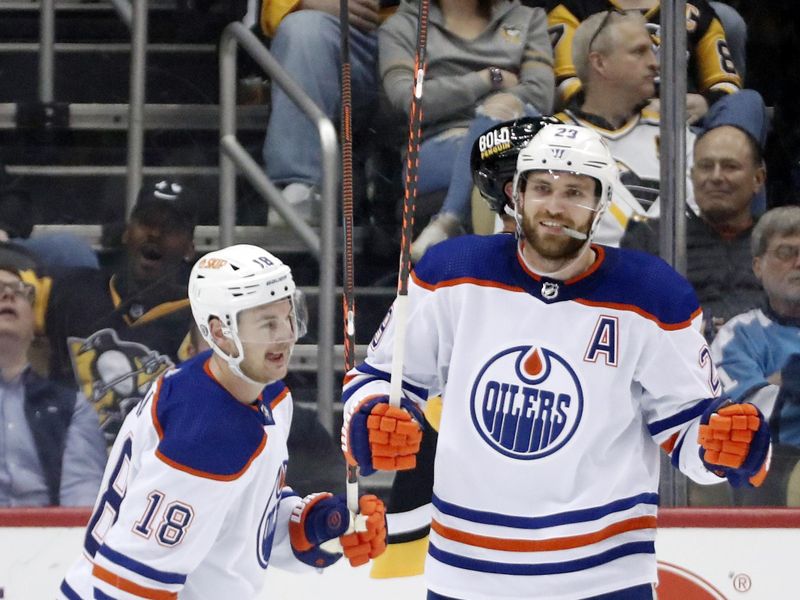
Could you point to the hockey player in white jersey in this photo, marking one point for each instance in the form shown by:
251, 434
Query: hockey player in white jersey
564, 367
194, 503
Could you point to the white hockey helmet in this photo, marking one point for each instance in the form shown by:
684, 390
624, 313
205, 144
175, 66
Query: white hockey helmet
571, 149
226, 282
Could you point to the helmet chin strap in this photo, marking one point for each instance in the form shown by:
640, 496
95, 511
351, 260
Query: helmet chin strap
235, 362
239, 373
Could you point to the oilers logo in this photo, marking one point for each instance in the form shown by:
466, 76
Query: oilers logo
526, 402
269, 519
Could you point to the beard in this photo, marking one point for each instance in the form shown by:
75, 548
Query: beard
552, 247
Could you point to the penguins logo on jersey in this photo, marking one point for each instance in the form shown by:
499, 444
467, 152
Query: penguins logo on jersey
114, 374
526, 402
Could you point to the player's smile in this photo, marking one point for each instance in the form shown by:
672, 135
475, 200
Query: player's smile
553, 227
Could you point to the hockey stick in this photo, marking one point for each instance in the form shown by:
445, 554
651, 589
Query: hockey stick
409, 199
348, 296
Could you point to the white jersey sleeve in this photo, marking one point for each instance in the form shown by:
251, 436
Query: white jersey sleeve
676, 364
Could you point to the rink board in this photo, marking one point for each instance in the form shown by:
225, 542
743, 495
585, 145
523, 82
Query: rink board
705, 554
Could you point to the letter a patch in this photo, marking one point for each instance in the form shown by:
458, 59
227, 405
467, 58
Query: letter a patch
604, 341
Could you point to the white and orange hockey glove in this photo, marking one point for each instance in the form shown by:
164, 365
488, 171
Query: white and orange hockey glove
735, 442
376, 435
321, 529
368, 537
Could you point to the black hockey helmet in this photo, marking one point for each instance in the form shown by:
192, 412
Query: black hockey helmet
493, 159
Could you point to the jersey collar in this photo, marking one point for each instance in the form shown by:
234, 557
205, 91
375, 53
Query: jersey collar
551, 290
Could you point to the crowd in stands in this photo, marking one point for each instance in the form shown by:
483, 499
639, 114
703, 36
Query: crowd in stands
80, 344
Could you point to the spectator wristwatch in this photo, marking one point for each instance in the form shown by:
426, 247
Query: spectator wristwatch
496, 77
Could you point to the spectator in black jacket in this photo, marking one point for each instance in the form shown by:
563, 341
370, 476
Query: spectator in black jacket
727, 174
114, 333
51, 449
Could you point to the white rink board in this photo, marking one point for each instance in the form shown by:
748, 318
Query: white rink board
34, 559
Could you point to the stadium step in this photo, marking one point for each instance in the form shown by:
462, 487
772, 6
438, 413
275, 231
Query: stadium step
280, 239
114, 116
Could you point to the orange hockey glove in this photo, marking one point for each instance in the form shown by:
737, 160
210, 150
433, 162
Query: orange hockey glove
321, 529
735, 442
368, 540
379, 436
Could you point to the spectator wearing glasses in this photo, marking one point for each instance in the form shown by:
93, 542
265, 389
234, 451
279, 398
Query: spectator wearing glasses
51, 449
757, 353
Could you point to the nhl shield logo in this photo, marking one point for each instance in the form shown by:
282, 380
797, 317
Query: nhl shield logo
549, 290
526, 402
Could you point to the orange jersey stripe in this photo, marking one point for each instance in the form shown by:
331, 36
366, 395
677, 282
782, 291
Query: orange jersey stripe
153, 413
279, 398
563, 543
669, 445
214, 476
642, 313
462, 281
130, 587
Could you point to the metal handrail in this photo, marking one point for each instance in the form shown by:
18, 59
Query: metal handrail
47, 36
136, 101
233, 154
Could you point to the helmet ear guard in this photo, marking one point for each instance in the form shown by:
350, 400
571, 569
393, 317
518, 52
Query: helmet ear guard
493, 159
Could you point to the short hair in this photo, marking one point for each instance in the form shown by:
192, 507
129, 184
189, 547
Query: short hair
781, 221
755, 147
588, 34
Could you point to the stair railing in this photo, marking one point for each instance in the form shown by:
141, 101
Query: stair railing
232, 155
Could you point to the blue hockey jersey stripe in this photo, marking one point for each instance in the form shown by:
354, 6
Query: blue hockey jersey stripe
565, 518
370, 370
357, 386
679, 418
100, 595
675, 459
141, 568
68, 591
288, 493
567, 566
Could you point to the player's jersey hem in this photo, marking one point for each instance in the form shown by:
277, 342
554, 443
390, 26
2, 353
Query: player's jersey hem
527, 569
